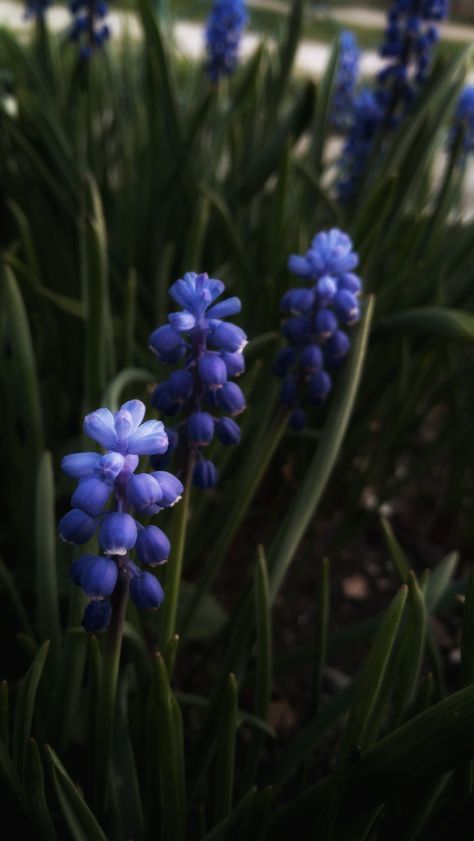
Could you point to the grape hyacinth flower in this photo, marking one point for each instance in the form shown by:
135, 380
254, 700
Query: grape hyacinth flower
201, 390
408, 46
108, 495
36, 9
346, 80
366, 121
90, 28
462, 129
317, 317
225, 26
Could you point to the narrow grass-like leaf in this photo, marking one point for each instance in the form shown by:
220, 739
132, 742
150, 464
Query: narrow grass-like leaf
320, 468
8, 586
365, 709
35, 788
23, 350
113, 394
396, 552
69, 682
81, 822
9, 775
323, 107
25, 706
439, 581
434, 322
225, 755
224, 830
47, 600
255, 821
165, 757
411, 649
264, 637
465, 776
432, 743
243, 717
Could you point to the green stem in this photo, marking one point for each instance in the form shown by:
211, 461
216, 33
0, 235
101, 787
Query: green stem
263, 452
106, 712
175, 565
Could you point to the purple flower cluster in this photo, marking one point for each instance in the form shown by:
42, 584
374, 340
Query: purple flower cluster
90, 28
108, 493
345, 83
317, 316
201, 390
408, 46
225, 26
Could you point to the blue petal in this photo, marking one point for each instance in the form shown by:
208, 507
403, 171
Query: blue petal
80, 465
229, 307
149, 439
99, 426
182, 321
128, 418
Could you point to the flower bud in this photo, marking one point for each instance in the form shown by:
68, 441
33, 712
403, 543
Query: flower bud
97, 616
231, 399
153, 546
118, 533
200, 429
227, 431
205, 475
76, 527
146, 591
212, 370
144, 493
91, 496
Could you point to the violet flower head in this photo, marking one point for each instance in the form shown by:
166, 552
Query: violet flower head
109, 496
347, 75
90, 29
317, 318
202, 390
224, 30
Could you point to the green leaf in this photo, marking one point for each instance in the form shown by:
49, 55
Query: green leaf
112, 396
25, 362
264, 653
9, 775
4, 713
47, 600
286, 58
69, 682
225, 754
365, 710
25, 706
396, 552
35, 788
323, 107
322, 464
222, 831
96, 293
434, 322
439, 581
8, 586
243, 717
81, 822
428, 745
165, 758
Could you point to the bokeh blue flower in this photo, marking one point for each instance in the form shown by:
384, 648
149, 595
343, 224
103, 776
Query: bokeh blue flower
224, 30
345, 83
90, 28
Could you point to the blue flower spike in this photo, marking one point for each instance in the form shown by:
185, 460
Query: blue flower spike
224, 30
105, 502
90, 29
327, 306
202, 390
